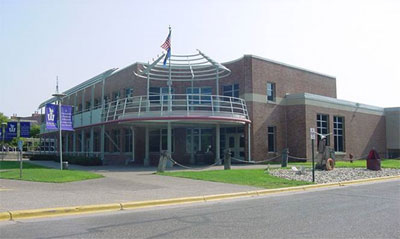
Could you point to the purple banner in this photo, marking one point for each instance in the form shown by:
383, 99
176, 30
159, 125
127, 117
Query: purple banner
11, 130
51, 115
25, 129
66, 118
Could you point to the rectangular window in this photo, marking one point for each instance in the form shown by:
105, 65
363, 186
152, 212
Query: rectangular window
116, 139
96, 103
270, 91
199, 95
158, 140
323, 127
338, 133
106, 142
87, 105
96, 145
128, 92
202, 139
231, 90
116, 95
128, 140
157, 93
271, 139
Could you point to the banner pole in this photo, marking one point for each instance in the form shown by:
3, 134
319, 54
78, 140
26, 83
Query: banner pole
59, 131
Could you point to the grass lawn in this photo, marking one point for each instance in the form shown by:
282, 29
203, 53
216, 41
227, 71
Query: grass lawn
32, 172
386, 163
250, 177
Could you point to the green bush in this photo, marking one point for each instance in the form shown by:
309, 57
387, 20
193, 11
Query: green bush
79, 160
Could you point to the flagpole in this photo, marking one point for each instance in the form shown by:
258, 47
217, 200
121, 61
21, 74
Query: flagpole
169, 78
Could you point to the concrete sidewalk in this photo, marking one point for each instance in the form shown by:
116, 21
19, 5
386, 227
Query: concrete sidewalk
120, 184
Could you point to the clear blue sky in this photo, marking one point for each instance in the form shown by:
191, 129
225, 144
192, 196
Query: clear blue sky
358, 42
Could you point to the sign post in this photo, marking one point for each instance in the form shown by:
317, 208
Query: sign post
312, 135
20, 144
59, 96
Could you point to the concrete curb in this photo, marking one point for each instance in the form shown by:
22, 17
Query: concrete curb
54, 212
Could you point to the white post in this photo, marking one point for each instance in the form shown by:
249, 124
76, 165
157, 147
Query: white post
248, 141
169, 143
102, 132
192, 161
217, 145
133, 144
59, 132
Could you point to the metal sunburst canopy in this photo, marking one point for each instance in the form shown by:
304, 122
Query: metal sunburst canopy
196, 67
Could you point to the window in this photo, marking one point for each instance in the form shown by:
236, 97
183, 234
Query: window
87, 105
202, 139
128, 92
96, 146
231, 90
199, 95
96, 103
338, 133
106, 142
157, 93
158, 140
116, 139
128, 140
323, 126
271, 139
116, 95
270, 91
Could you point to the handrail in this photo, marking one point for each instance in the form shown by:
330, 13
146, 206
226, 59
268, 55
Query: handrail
177, 105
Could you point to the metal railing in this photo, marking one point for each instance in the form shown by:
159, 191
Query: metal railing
175, 105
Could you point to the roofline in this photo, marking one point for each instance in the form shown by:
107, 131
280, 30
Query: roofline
92, 81
278, 63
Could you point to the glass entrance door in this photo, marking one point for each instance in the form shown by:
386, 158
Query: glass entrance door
235, 142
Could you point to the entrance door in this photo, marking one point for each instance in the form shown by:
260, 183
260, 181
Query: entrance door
235, 142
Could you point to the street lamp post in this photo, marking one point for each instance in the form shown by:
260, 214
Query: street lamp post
59, 96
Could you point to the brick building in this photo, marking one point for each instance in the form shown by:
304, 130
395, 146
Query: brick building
196, 108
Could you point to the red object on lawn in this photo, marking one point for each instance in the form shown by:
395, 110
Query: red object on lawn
373, 160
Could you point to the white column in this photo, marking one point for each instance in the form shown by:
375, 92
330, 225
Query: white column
249, 141
192, 160
146, 160
91, 140
133, 144
217, 145
82, 141
74, 142
102, 131
169, 143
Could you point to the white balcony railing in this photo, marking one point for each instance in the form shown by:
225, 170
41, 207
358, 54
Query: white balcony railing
175, 105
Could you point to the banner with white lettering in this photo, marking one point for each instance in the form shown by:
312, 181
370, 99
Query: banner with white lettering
51, 115
25, 129
11, 130
66, 118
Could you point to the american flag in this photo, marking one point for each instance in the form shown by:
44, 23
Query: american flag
167, 43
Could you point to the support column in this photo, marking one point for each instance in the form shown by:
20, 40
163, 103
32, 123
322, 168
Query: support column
249, 141
102, 131
192, 159
217, 145
82, 141
169, 144
66, 142
74, 142
146, 160
133, 144
91, 141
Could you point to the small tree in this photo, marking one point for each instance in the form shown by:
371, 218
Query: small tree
35, 131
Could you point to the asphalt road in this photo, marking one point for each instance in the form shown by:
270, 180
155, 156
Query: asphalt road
362, 211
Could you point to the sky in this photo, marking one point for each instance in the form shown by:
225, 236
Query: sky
358, 42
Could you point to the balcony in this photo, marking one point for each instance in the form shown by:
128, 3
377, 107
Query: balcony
176, 106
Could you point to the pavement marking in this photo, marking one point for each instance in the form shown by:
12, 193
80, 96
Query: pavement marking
63, 211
